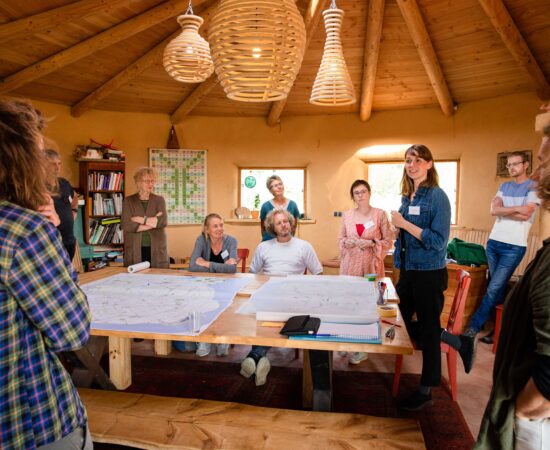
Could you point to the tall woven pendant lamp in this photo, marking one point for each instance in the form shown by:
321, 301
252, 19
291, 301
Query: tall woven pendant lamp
187, 57
333, 86
257, 48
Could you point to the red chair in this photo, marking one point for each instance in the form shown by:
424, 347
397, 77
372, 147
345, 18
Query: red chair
242, 254
454, 326
498, 318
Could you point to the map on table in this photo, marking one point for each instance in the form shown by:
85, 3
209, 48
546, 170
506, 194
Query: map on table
151, 303
341, 299
181, 180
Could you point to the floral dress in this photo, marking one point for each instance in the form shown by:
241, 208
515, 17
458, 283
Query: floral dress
354, 261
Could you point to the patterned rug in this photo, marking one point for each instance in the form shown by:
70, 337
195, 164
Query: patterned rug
443, 425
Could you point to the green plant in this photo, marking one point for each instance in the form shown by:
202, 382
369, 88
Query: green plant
256, 201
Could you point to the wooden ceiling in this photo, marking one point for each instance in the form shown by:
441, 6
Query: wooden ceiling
107, 54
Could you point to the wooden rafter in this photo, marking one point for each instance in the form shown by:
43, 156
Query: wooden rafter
512, 38
57, 16
100, 41
312, 19
375, 19
417, 29
200, 92
150, 58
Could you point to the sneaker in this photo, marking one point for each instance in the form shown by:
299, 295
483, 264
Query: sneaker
222, 349
358, 357
342, 354
467, 350
416, 401
262, 369
488, 338
248, 367
203, 349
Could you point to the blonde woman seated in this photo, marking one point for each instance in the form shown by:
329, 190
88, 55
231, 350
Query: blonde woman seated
364, 240
214, 252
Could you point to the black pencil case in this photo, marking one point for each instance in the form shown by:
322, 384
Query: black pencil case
300, 325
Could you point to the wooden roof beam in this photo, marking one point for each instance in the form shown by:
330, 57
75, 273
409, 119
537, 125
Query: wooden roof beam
89, 46
419, 33
150, 58
57, 16
312, 19
375, 19
200, 92
512, 38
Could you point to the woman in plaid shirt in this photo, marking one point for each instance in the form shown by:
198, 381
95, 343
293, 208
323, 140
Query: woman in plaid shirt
42, 310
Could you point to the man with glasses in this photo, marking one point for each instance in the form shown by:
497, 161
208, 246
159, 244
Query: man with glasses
514, 207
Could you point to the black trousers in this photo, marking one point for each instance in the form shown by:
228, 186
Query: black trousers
145, 254
421, 292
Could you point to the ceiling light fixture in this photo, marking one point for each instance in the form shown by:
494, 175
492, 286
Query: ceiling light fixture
333, 86
257, 48
187, 57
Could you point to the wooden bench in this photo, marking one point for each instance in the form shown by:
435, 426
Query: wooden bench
153, 422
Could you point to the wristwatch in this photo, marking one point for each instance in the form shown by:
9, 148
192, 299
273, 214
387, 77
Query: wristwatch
144, 220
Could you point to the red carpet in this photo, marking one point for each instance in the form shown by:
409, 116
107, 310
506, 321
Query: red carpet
443, 425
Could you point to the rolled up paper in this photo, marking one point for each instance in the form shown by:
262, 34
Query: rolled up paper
140, 266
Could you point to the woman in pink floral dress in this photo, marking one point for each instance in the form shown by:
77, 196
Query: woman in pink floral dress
364, 240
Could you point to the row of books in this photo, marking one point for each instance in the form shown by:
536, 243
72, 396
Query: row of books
106, 231
106, 181
106, 204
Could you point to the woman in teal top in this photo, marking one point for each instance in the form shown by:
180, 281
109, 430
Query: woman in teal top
275, 185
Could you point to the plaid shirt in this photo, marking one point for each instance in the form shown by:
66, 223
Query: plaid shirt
42, 312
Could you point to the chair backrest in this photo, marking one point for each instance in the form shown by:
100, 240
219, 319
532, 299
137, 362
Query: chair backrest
242, 254
463, 280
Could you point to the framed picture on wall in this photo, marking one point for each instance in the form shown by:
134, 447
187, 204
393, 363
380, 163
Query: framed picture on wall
502, 160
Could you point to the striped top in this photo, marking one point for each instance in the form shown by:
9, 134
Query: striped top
42, 312
511, 231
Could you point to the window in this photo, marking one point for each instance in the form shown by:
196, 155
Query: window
252, 186
385, 181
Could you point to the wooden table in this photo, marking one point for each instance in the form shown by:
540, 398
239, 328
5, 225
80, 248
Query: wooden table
233, 328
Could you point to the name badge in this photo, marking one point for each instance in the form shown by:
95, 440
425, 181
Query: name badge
225, 254
414, 210
368, 224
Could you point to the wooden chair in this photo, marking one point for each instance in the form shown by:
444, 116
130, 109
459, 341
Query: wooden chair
454, 326
242, 254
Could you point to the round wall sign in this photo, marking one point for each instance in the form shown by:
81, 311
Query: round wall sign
250, 181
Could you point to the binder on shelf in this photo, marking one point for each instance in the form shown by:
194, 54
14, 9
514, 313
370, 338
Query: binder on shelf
345, 332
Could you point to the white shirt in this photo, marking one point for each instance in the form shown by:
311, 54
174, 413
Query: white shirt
285, 258
511, 231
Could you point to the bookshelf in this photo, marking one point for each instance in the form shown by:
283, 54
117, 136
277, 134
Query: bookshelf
102, 185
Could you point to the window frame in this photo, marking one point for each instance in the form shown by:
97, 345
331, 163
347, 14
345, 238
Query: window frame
400, 161
302, 168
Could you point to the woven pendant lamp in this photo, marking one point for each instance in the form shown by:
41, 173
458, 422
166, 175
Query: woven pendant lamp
187, 57
333, 86
257, 48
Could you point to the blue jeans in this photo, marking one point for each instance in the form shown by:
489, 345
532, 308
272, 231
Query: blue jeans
503, 260
258, 352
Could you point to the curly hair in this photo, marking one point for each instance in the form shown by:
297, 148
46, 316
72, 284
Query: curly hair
23, 165
143, 172
269, 222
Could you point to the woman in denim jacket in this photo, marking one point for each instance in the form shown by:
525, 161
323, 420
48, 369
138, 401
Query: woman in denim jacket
423, 223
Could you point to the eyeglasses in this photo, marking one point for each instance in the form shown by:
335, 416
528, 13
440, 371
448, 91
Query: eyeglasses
358, 193
514, 164
148, 181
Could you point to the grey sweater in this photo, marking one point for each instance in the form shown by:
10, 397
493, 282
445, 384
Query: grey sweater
202, 249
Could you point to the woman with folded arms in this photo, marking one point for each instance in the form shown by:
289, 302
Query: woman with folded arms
144, 221
275, 185
364, 240
214, 252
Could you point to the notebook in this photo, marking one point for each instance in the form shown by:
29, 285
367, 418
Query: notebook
345, 332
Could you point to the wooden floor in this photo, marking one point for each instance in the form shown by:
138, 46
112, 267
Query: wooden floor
477, 384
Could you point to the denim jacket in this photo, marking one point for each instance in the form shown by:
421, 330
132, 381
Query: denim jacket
435, 220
